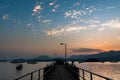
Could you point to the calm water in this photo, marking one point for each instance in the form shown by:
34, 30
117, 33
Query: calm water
8, 70
111, 70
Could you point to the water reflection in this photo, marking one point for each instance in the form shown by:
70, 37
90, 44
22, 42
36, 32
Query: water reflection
111, 70
9, 69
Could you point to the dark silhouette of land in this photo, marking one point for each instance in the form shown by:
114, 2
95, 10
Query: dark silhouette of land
110, 56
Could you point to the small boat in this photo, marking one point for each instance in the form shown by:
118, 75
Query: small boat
19, 67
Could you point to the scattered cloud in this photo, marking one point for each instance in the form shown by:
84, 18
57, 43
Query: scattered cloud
115, 24
29, 25
90, 21
76, 28
93, 21
54, 32
36, 9
91, 9
74, 13
76, 4
5, 17
92, 25
39, 17
66, 29
47, 21
51, 3
55, 8
86, 50
101, 29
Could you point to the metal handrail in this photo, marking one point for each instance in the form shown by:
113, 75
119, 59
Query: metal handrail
31, 74
83, 74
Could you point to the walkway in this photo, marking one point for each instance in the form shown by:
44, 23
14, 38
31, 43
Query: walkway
60, 73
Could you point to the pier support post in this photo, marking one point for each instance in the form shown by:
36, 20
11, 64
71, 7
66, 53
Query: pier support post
83, 75
91, 78
31, 76
39, 75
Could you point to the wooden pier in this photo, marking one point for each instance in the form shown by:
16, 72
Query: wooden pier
62, 71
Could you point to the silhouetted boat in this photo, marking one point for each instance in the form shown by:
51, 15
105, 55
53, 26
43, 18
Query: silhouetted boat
19, 67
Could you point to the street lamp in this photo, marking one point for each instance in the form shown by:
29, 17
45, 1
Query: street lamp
65, 50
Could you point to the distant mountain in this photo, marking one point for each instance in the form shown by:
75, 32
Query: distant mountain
112, 56
40, 58
43, 58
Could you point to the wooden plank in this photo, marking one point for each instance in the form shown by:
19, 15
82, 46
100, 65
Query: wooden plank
60, 73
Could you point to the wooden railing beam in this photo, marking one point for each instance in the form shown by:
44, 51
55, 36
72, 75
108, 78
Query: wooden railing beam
91, 73
31, 74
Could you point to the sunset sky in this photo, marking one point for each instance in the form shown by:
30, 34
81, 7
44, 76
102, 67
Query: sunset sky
37, 27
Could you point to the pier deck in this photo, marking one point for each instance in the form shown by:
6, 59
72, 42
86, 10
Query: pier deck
60, 72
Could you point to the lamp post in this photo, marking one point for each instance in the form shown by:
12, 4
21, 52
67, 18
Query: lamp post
65, 50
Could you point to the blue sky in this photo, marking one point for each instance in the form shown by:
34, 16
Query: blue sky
36, 27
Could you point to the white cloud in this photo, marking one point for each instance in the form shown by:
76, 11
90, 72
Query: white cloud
29, 25
92, 25
76, 28
47, 21
51, 3
36, 9
55, 8
68, 13
39, 17
115, 24
54, 32
78, 13
66, 29
4, 17
101, 29
92, 21
90, 9
74, 13
76, 4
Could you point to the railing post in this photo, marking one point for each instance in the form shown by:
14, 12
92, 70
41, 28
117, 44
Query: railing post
83, 75
39, 75
91, 78
79, 73
31, 76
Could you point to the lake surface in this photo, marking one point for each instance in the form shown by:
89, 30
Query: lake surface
8, 70
107, 69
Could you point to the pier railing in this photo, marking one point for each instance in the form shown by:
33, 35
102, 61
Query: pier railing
31, 74
82, 74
